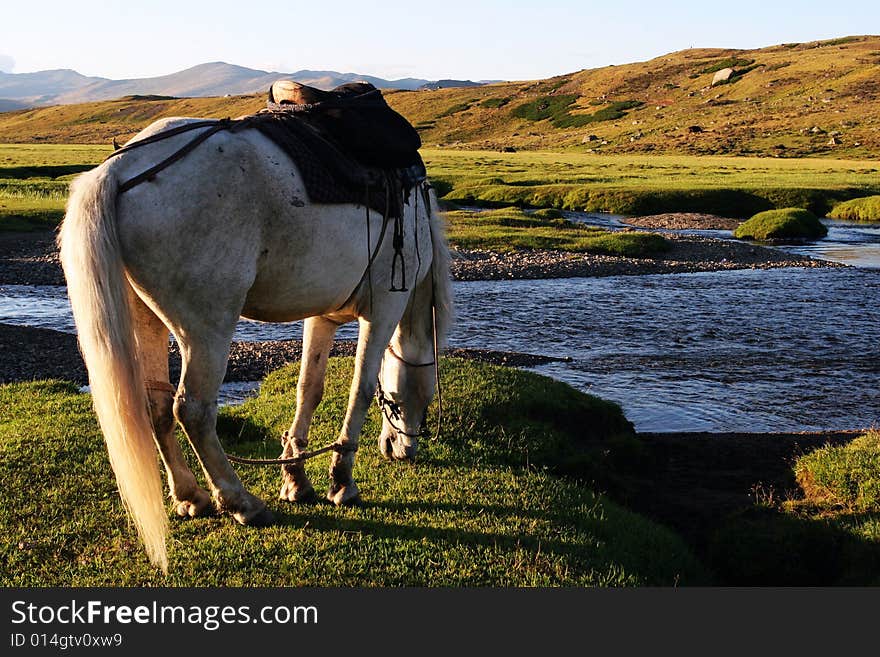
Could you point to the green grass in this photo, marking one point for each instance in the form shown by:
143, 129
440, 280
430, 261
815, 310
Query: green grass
730, 62
858, 209
785, 223
647, 184
486, 505
510, 229
27, 213
455, 109
623, 184
846, 477
50, 159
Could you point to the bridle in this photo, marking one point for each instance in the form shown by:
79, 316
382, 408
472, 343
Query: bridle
391, 409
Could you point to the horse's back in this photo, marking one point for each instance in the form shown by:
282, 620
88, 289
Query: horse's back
232, 221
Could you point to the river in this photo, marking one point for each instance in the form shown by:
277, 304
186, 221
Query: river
744, 350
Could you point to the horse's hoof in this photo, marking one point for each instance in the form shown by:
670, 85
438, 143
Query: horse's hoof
262, 518
198, 507
386, 447
298, 495
348, 495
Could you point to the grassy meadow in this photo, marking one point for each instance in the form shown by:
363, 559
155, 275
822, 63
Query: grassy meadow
648, 184
502, 499
34, 179
818, 98
528, 486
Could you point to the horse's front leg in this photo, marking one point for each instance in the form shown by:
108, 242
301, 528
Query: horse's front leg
372, 341
318, 333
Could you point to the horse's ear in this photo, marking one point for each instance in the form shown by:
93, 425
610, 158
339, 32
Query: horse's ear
271, 95
116, 145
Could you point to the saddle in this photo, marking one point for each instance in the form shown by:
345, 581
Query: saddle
348, 144
356, 117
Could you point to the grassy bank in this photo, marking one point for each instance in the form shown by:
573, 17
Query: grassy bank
510, 229
785, 223
639, 185
858, 209
486, 505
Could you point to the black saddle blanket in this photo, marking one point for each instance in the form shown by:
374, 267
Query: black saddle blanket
348, 152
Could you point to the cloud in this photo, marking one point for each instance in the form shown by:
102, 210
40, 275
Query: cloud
7, 63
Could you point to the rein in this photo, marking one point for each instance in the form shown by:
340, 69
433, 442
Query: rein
339, 448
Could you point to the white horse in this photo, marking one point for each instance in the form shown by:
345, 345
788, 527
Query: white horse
228, 231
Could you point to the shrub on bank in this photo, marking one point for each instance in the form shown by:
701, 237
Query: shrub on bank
786, 223
866, 208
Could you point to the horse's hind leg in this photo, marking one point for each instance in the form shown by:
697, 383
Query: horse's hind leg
152, 339
318, 333
204, 364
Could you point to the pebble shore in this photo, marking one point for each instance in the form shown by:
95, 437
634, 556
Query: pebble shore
688, 254
32, 259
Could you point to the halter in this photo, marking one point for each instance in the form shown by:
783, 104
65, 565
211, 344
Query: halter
391, 409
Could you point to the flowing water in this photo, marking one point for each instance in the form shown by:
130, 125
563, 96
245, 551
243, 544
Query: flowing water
744, 350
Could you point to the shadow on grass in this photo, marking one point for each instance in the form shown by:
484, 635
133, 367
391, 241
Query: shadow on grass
763, 546
44, 171
605, 555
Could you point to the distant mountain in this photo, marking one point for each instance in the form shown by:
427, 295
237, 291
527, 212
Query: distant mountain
60, 87
29, 89
11, 105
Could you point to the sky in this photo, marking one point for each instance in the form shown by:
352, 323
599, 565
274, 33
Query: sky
477, 40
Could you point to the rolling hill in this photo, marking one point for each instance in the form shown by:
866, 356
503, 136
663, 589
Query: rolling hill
789, 100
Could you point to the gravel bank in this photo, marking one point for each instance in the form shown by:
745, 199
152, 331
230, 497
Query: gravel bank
684, 221
688, 254
32, 259
46, 354
29, 259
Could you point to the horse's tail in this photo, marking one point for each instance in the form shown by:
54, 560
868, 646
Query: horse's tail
443, 306
98, 291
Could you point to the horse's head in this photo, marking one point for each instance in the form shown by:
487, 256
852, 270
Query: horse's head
406, 387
